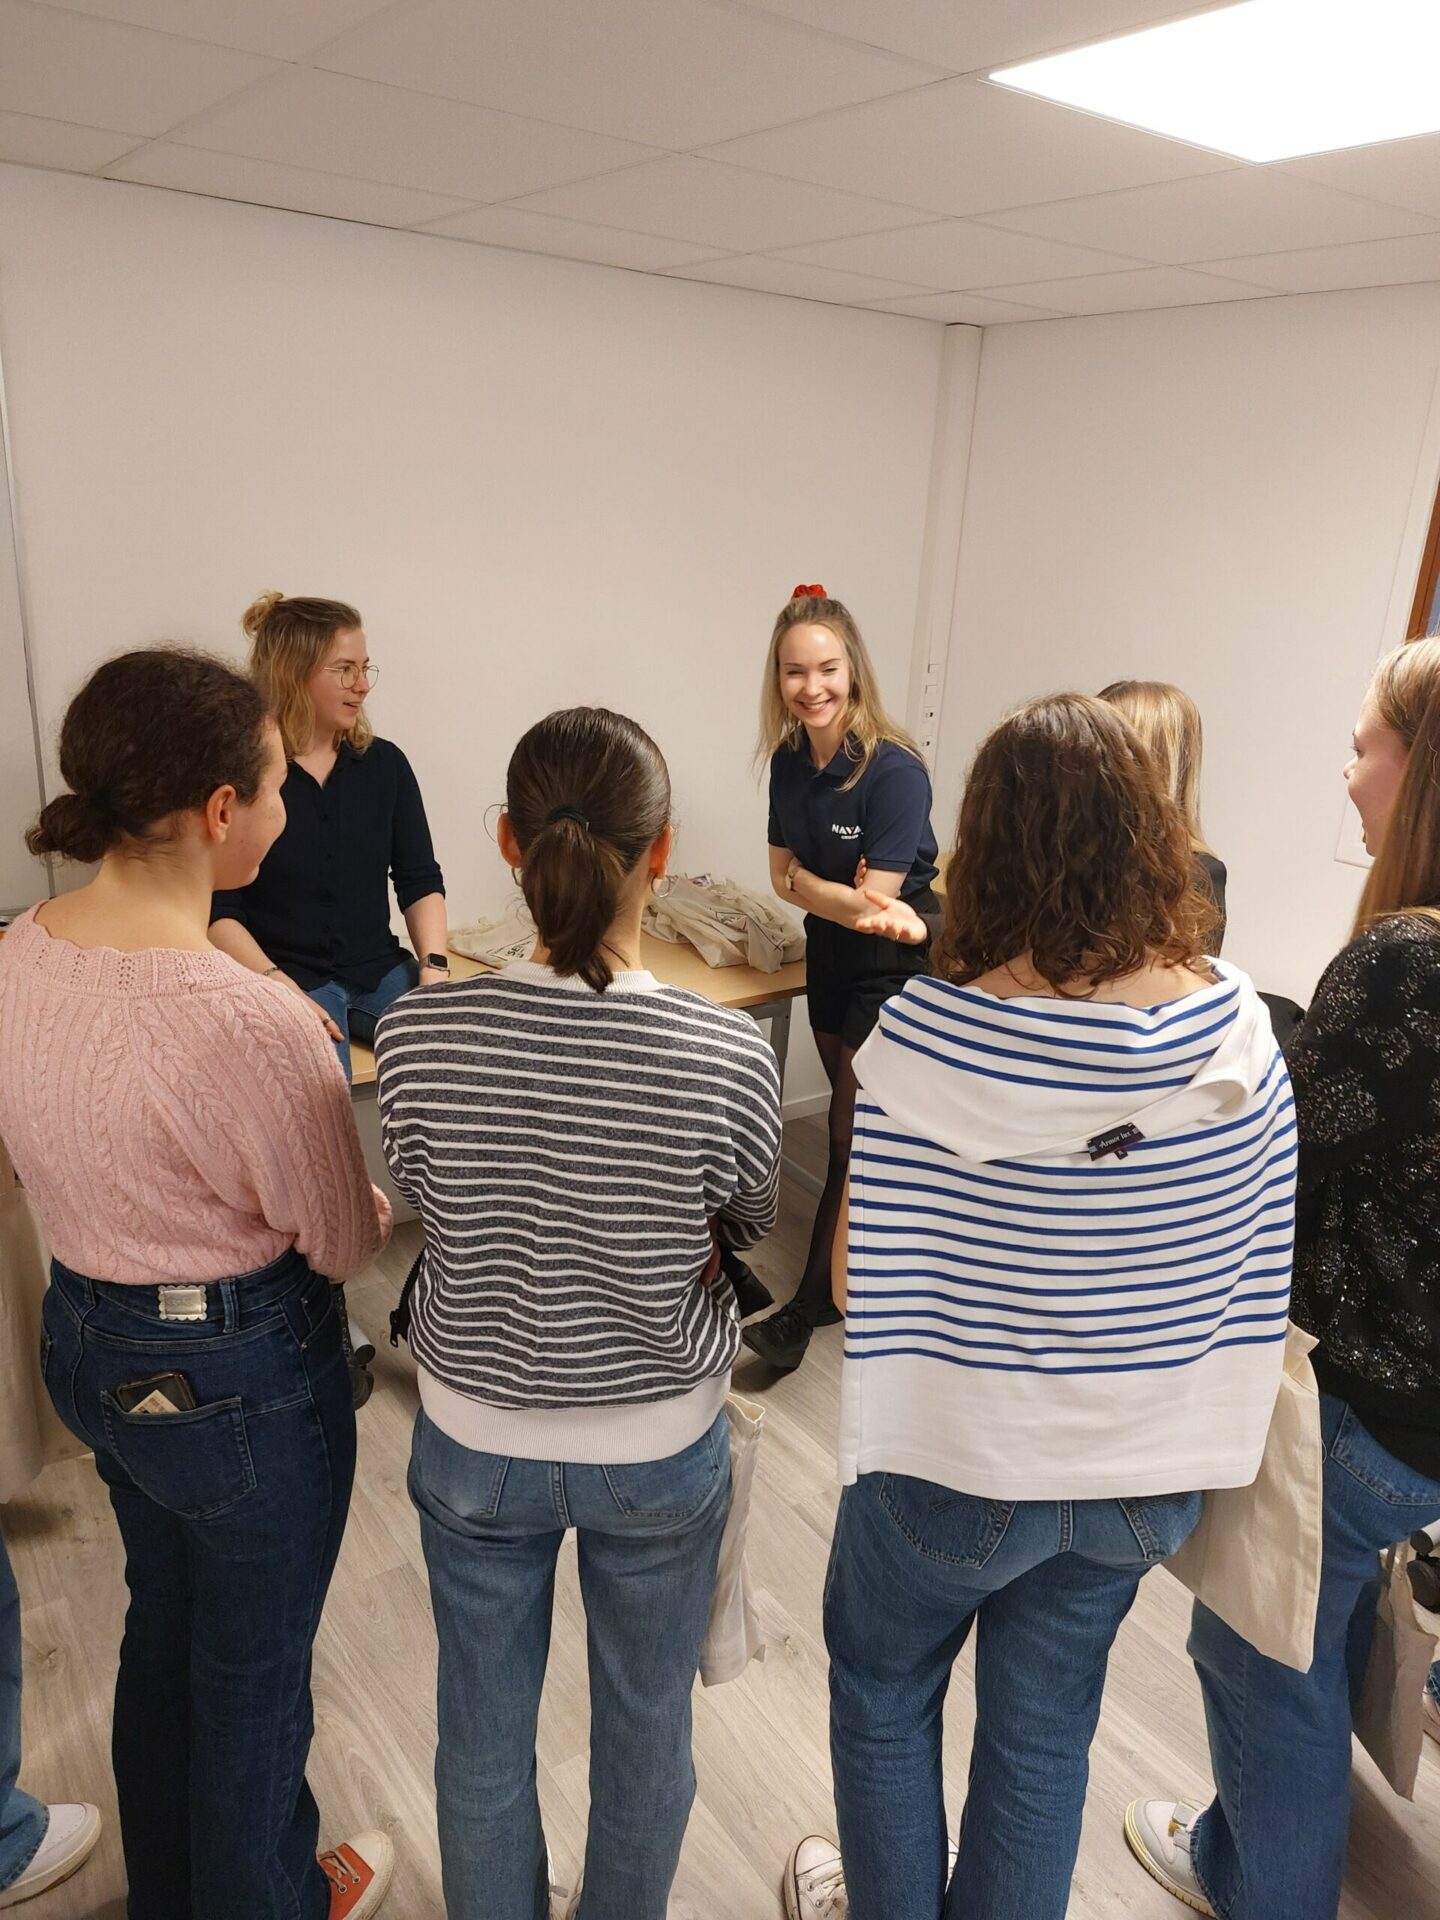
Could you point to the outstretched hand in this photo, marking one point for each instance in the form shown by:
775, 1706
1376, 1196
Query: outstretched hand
892, 920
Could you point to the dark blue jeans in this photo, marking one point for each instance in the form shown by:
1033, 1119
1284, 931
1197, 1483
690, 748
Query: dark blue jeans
23, 1820
231, 1517
1046, 1585
1273, 1839
356, 1009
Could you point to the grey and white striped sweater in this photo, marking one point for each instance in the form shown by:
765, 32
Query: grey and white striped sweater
566, 1151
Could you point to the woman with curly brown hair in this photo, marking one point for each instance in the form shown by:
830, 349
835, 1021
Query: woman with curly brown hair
1065, 1278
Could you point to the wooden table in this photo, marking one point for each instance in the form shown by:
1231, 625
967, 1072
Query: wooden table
764, 996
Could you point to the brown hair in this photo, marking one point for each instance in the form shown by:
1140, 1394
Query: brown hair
288, 641
1406, 873
588, 793
866, 721
1070, 854
1168, 721
150, 734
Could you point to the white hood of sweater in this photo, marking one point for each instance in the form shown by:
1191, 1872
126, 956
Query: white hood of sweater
993, 1079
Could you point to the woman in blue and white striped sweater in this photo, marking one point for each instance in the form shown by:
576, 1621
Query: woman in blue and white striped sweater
1070, 1223
572, 1135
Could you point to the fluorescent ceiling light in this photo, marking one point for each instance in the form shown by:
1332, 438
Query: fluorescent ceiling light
1265, 80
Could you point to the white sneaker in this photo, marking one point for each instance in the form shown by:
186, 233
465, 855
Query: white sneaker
69, 1842
1430, 1719
814, 1885
1158, 1834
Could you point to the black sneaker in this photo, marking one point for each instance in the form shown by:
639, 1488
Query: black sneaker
751, 1293
829, 1315
780, 1338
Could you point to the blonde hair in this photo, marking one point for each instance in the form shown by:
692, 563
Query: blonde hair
866, 721
1406, 875
1168, 722
288, 640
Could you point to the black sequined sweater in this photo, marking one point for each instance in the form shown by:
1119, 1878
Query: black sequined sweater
1365, 1066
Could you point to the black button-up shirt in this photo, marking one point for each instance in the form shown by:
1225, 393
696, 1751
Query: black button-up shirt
320, 904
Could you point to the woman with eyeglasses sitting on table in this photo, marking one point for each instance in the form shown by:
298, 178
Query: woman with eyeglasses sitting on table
317, 916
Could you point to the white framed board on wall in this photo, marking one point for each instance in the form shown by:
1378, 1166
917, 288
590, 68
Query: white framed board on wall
23, 878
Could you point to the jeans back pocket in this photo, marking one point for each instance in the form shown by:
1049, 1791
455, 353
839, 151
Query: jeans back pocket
195, 1464
671, 1489
956, 1529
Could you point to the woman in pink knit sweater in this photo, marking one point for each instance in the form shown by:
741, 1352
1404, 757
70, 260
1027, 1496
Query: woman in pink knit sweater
185, 1132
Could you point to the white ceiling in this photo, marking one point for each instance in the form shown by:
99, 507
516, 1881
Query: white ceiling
847, 151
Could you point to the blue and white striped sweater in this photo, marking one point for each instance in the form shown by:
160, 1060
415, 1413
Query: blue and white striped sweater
1026, 1322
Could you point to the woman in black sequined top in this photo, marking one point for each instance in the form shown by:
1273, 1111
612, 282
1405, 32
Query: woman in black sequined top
1365, 1067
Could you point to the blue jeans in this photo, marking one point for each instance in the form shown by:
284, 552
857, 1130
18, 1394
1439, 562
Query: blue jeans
23, 1821
231, 1516
649, 1541
356, 1009
1046, 1585
1273, 1839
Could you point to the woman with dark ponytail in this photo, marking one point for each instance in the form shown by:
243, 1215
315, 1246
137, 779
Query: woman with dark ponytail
185, 1134
577, 1140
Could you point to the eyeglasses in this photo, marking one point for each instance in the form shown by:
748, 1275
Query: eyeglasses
350, 674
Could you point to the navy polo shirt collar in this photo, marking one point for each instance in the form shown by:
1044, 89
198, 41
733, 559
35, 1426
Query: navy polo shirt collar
839, 766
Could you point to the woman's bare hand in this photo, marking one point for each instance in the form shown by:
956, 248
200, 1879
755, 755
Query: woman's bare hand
892, 920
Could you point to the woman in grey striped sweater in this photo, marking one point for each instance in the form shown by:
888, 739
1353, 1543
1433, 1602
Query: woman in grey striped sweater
576, 1139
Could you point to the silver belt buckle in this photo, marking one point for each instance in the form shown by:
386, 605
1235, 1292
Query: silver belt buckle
183, 1303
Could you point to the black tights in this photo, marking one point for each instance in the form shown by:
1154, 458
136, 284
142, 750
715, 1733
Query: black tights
813, 1293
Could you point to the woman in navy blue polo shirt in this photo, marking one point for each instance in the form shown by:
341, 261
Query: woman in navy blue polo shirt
849, 813
317, 917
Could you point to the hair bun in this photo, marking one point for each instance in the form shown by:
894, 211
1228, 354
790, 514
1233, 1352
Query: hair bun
808, 593
73, 826
258, 611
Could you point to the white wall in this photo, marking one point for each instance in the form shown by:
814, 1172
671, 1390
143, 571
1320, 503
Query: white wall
1229, 497
542, 483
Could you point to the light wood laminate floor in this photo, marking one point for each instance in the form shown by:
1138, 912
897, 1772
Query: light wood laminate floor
760, 1743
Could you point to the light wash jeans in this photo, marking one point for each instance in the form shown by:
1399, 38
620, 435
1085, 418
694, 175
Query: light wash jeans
649, 1541
23, 1821
355, 1010
1046, 1585
1273, 1839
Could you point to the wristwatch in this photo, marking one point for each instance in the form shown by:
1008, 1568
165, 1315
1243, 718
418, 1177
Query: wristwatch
439, 962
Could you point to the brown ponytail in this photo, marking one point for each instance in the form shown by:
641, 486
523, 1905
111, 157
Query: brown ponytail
588, 794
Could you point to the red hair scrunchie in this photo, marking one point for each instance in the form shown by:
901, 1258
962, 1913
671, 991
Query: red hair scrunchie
808, 593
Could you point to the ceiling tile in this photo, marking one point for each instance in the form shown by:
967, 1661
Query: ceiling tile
979, 33
53, 143
1250, 210
954, 255
340, 125
285, 29
790, 276
1403, 173
228, 176
1371, 263
1131, 292
965, 309
674, 73
570, 239
960, 146
726, 208
63, 66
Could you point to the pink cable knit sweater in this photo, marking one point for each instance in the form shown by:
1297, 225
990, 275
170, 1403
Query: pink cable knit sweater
175, 1116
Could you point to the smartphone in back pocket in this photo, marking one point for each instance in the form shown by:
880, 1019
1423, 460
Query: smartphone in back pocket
161, 1393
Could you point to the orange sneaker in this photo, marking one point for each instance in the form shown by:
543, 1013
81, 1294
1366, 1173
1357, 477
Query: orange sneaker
359, 1875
